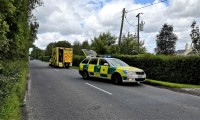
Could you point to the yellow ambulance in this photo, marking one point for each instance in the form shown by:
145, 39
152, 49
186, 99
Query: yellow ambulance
61, 57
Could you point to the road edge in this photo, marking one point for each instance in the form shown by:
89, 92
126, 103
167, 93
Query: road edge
24, 112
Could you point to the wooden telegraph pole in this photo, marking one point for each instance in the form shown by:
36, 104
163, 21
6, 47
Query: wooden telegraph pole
122, 23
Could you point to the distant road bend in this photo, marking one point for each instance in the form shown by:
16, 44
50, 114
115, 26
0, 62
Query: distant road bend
62, 94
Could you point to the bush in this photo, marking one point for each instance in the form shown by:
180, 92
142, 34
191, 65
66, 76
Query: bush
12, 88
44, 58
77, 59
178, 69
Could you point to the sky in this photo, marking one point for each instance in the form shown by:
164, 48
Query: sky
85, 19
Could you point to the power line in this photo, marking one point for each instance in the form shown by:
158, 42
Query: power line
128, 21
147, 6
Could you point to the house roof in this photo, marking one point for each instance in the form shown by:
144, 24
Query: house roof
180, 51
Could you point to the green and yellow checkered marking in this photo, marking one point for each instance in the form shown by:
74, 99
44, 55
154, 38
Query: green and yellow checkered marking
98, 70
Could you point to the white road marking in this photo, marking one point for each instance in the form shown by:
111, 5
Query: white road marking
99, 88
55, 69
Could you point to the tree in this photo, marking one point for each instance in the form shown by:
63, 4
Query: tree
85, 45
102, 44
17, 29
33, 32
195, 36
63, 43
107, 38
166, 40
48, 50
114, 49
77, 47
36, 52
99, 46
129, 45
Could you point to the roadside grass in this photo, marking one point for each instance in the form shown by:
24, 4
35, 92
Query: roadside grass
169, 84
74, 67
11, 107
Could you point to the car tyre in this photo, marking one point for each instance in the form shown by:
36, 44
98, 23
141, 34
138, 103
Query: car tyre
117, 79
66, 65
85, 75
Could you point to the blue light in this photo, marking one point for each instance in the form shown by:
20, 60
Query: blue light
125, 71
106, 56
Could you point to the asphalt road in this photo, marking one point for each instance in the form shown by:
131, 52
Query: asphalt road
62, 94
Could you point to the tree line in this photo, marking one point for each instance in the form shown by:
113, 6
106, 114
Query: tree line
105, 43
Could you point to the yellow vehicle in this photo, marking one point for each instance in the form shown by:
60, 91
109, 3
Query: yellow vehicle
61, 57
109, 68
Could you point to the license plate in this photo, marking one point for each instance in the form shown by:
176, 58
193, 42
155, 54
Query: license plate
140, 76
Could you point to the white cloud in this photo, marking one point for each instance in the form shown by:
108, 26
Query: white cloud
184, 8
84, 19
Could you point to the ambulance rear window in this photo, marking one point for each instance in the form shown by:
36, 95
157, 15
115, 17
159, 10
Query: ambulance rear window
85, 61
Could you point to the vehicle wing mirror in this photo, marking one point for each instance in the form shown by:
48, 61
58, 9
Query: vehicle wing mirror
106, 64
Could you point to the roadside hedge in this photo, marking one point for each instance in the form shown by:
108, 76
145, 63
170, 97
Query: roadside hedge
44, 58
77, 59
13, 78
177, 69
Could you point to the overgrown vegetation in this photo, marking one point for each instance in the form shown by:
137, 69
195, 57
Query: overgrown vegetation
17, 33
12, 87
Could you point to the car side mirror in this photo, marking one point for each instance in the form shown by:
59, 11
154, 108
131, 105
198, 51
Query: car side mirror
106, 64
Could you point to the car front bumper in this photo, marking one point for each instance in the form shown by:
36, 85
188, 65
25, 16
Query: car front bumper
135, 78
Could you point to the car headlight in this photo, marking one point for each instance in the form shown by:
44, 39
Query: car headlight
129, 72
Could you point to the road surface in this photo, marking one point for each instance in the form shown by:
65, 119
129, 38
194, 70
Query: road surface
62, 94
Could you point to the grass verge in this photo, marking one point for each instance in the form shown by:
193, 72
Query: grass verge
11, 107
74, 67
169, 84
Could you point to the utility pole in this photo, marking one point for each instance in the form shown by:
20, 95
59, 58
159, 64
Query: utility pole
138, 31
122, 23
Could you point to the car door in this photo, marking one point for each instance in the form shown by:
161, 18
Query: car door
103, 68
93, 68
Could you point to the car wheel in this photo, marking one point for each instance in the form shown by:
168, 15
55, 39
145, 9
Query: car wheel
66, 65
85, 75
117, 79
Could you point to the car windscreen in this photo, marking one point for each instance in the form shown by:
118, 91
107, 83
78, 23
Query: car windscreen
116, 62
